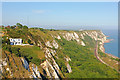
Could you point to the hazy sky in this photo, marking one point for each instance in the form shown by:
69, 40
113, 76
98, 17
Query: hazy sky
103, 15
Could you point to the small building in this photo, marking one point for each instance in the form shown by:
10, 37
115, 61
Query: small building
15, 41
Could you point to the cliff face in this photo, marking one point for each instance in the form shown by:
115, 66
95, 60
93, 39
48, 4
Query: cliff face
48, 43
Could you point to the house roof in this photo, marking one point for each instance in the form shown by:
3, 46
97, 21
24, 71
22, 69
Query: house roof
14, 38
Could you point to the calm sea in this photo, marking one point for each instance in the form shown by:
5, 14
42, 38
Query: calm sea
112, 46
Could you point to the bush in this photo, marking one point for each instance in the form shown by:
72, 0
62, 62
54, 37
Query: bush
29, 41
6, 47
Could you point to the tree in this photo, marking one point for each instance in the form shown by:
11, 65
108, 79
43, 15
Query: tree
25, 27
52, 30
8, 26
41, 29
3, 27
19, 25
13, 27
29, 41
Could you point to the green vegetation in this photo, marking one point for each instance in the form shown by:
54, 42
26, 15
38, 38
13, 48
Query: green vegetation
32, 53
102, 54
83, 62
28, 35
115, 59
29, 41
89, 41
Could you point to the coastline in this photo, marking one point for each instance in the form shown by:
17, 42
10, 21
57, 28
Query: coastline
108, 40
109, 54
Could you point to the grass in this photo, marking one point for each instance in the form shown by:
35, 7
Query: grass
33, 50
31, 53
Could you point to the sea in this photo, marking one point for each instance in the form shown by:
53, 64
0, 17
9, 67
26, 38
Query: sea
112, 46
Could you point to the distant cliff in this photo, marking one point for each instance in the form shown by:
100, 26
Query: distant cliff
54, 54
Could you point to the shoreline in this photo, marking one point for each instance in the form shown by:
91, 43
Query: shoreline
108, 40
109, 54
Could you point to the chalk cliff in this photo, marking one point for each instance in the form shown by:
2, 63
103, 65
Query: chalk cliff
13, 66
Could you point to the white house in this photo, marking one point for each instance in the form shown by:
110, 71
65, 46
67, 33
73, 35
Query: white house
15, 41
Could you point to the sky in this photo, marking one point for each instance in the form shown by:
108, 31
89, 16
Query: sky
62, 15
60, 0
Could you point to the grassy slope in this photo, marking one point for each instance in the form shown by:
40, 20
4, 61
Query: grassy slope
83, 63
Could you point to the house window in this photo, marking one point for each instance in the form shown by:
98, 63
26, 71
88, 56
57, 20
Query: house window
18, 42
15, 43
11, 43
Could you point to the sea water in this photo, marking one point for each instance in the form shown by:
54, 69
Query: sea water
112, 46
